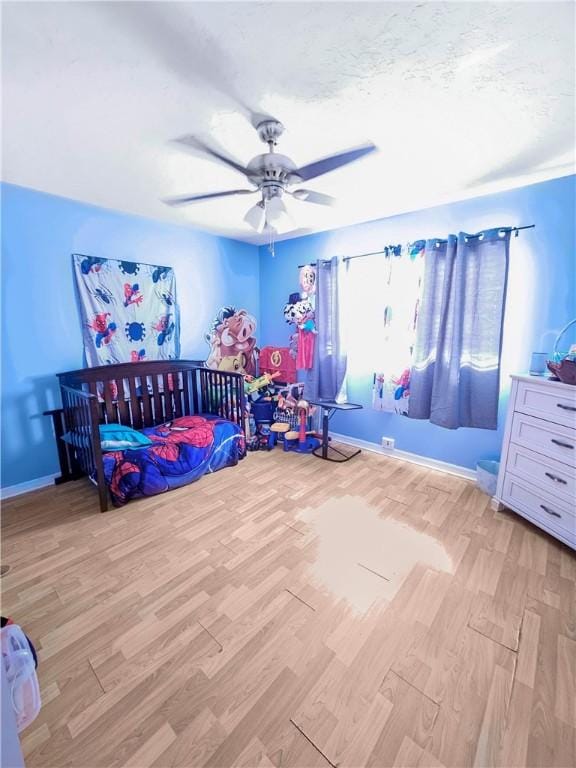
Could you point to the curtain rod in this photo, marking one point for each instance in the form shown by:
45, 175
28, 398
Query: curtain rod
470, 237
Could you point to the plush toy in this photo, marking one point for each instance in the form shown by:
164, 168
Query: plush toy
301, 314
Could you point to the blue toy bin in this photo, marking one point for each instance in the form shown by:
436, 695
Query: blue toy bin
263, 410
487, 476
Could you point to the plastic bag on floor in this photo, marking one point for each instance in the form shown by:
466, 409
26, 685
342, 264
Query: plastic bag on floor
487, 476
20, 667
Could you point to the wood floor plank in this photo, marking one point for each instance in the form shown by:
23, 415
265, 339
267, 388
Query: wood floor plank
528, 651
513, 749
294, 750
195, 743
565, 703
493, 721
412, 714
152, 748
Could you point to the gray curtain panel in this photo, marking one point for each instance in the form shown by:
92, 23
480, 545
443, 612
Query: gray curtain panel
327, 378
456, 365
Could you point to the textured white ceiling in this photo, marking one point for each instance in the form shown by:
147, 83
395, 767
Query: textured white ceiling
461, 99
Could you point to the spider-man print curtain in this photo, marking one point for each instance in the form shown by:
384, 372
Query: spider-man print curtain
128, 310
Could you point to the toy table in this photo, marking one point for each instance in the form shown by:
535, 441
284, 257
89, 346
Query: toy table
329, 408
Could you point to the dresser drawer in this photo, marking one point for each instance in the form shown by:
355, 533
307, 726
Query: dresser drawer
546, 510
549, 475
552, 440
557, 404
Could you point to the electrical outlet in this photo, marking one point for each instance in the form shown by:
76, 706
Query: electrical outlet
388, 443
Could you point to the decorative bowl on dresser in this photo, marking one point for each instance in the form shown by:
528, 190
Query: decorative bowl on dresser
537, 477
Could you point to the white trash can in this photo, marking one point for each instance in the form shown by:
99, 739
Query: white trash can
487, 476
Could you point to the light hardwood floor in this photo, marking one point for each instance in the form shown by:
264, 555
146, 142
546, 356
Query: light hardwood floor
292, 612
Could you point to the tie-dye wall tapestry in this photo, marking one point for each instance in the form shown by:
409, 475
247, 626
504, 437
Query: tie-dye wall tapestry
128, 310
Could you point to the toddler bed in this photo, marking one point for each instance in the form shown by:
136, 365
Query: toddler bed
191, 419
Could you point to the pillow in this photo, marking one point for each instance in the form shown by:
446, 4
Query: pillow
117, 437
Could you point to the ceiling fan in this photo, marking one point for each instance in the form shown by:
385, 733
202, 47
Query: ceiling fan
271, 175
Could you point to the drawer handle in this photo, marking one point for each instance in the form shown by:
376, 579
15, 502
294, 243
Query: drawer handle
566, 407
550, 511
555, 478
561, 444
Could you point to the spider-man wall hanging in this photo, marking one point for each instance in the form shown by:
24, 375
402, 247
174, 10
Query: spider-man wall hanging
129, 310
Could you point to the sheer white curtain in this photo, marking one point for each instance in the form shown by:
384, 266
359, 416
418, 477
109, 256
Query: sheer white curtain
382, 308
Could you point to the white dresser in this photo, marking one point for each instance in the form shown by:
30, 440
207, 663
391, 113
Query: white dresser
537, 476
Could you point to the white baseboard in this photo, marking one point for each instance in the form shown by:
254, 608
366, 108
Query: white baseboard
29, 485
413, 458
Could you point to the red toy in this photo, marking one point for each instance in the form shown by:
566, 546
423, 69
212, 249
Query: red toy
278, 360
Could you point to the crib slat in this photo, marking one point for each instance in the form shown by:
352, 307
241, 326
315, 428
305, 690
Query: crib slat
110, 410
177, 394
158, 412
202, 400
213, 393
229, 402
146, 405
123, 408
167, 399
221, 397
135, 404
186, 391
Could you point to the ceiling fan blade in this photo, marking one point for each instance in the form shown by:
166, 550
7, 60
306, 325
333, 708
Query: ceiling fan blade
193, 142
330, 163
254, 116
185, 199
309, 196
165, 30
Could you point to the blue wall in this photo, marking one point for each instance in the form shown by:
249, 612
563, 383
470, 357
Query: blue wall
41, 331
541, 298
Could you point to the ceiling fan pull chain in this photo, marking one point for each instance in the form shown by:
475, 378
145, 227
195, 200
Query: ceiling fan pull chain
271, 242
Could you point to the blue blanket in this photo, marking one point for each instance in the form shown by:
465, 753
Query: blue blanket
183, 450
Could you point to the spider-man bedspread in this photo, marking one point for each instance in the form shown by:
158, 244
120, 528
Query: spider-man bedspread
184, 449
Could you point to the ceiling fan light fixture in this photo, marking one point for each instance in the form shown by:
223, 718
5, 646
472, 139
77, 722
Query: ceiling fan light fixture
256, 217
281, 223
275, 209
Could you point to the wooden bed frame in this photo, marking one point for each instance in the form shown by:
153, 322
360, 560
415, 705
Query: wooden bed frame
149, 393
